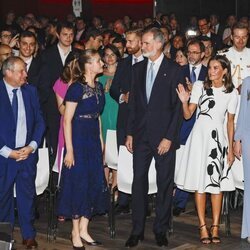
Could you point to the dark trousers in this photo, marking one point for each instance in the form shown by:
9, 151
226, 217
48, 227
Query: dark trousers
180, 198
142, 157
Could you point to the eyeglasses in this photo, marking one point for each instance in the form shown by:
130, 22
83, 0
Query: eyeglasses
193, 53
203, 25
208, 47
6, 36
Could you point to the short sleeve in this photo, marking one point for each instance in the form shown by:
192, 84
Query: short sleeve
60, 88
232, 104
74, 93
196, 92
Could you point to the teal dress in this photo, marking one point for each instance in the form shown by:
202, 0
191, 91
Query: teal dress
110, 111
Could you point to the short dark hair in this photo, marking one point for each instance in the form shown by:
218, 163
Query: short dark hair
27, 33
196, 41
62, 25
119, 39
113, 49
93, 33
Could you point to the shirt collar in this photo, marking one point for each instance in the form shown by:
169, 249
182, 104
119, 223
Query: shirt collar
158, 61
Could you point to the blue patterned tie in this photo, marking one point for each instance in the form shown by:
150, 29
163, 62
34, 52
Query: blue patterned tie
150, 80
15, 104
193, 75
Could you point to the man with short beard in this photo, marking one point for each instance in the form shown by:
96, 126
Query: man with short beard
120, 89
153, 132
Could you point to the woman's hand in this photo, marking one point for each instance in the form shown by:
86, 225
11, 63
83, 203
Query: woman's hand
237, 149
230, 158
69, 160
182, 93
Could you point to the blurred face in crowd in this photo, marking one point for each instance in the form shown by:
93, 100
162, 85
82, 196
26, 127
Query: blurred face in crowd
178, 42
133, 43
194, 54
208, 48
180, 58
27, 46
147, 21
110, 57
118, 28
80, 25
5, 37
204, 26
231, 20
5, 52
240, 37
120, 47
165, 33
173, 24
65, 37
96, 42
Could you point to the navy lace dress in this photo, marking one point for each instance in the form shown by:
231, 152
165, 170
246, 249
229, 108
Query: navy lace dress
83, 190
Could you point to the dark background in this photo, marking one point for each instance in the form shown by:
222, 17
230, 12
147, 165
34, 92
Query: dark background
137, 9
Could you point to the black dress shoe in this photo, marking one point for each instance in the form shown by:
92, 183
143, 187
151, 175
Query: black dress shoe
92, 243
79, 248
161, 240
133, 240
178, 210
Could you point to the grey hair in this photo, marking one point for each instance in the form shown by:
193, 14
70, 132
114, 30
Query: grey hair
9, 63
157, 34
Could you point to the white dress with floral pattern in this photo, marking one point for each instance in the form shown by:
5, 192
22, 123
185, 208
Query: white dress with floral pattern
203, 166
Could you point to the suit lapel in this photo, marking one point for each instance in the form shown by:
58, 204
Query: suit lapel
161, 74
144, 80
27, 106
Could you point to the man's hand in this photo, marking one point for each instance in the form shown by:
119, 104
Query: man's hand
164, 146
237, 149
125, 97
24, 153
129, 143
15, 154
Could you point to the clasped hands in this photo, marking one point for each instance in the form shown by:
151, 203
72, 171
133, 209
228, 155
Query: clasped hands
21, 154
163, 147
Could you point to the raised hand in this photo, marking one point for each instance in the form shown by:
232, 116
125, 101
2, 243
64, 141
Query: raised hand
182, 93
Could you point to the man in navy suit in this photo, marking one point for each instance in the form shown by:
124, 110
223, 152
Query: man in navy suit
153, 131
120, 90
21, 131
193, 71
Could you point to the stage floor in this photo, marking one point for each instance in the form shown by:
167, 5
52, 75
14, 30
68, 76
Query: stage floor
185, 235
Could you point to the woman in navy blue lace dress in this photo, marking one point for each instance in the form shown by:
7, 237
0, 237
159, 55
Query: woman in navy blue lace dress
82, 186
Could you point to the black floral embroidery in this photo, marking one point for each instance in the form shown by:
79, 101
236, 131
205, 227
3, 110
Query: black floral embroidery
207, 96
217, 164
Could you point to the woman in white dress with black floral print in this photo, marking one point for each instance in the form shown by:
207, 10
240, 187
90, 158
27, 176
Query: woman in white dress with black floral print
208, 155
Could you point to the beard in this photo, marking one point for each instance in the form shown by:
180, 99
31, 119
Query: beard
149, 54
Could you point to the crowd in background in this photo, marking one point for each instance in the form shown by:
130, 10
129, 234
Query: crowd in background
58, 53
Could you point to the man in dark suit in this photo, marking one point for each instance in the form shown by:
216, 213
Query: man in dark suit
204, 27
27, 47
20, 135
153, 129
193, 71
119, 91
53, 60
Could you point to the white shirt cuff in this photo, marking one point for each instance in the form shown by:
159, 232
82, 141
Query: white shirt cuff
5, 151
33, 144
120, 99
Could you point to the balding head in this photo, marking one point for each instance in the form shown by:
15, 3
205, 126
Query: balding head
5, 52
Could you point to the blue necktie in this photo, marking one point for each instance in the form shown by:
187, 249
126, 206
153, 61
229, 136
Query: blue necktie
150, 80
193, 75
15, 104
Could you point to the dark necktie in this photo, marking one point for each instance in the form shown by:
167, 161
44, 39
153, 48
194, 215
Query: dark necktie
15, 104
192, 75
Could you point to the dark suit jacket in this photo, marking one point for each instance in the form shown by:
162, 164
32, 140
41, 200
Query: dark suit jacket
162, 116
35, 122
187, 125
121, 84
216, 42
34, 72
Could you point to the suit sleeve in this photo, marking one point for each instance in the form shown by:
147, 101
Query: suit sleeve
174, 127
39, 125
115, 90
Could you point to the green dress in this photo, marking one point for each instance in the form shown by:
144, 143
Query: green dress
109, 114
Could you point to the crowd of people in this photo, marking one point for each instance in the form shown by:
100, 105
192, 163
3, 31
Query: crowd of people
172, 93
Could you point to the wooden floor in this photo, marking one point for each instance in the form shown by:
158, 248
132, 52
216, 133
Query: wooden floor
185, 234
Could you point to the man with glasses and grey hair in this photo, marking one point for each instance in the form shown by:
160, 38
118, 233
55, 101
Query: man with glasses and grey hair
153, 132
